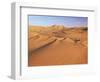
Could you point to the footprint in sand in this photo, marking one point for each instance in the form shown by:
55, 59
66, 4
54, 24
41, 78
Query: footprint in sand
84, 43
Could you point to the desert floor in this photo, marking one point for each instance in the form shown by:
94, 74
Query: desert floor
57, 45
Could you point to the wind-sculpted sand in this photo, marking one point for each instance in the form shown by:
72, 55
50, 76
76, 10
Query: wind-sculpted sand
57, 45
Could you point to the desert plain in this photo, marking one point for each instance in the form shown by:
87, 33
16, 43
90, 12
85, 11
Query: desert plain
57, 45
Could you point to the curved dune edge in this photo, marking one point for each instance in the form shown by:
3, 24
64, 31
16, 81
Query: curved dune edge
40, 44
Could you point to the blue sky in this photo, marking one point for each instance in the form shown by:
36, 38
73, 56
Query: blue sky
70, 21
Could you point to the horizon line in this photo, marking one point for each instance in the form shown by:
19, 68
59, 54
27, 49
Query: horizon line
57, 25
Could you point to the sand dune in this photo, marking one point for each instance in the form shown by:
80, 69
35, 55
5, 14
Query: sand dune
57, 45
40, 43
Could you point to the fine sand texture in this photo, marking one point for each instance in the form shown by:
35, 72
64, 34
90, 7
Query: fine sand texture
57, 45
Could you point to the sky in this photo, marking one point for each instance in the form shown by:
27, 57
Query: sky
71, 21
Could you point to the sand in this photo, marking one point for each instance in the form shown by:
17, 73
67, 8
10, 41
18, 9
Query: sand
57, 45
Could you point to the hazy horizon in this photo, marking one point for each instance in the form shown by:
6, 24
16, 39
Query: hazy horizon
69, 21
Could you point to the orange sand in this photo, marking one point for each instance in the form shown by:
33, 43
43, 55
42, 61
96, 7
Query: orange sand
57, 45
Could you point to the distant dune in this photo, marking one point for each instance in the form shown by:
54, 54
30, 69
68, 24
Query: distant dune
57, 45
